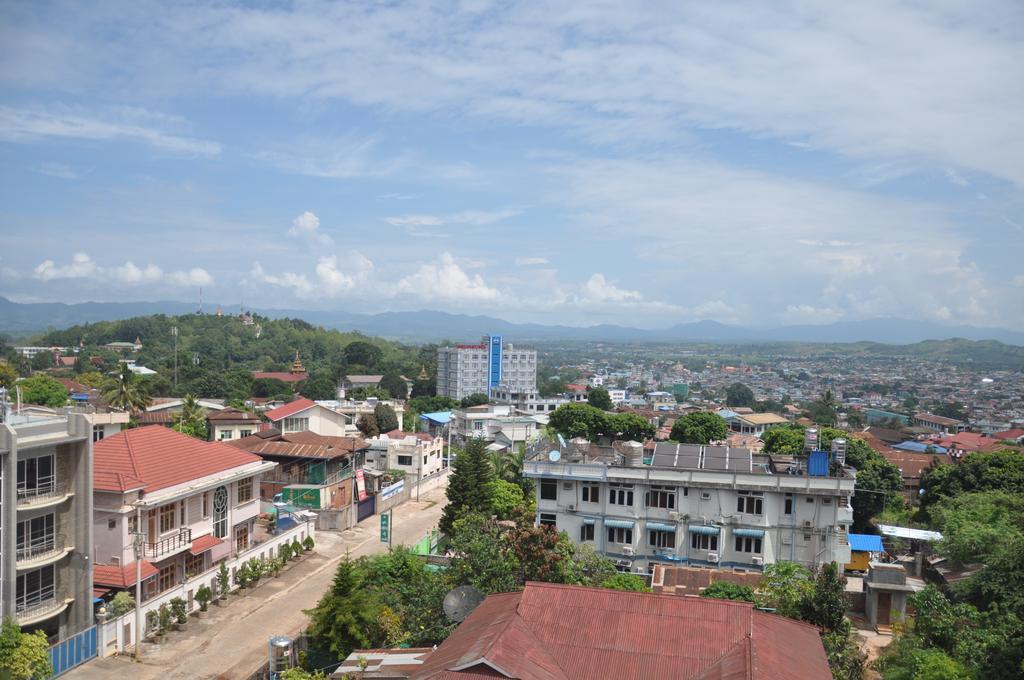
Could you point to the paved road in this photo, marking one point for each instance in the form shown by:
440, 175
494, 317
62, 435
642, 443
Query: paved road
232, 641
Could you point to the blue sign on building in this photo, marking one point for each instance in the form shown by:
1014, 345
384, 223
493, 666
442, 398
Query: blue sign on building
494, 363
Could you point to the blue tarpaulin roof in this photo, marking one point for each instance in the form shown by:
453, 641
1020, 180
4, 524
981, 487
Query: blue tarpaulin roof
918, 447
865, 542
749, 533
439, 417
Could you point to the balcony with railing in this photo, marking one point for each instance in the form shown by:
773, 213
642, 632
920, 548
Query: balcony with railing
165, 547
39, 606
40, 551
43, 495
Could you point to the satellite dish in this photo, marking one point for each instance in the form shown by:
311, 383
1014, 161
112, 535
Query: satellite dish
459, 602
554, 456
561, 441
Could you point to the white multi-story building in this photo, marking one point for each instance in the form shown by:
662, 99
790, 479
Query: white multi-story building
498, 424
46, 522
690, 504
463, 370
529, 402
418, 454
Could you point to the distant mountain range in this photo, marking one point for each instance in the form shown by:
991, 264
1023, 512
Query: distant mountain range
433, 326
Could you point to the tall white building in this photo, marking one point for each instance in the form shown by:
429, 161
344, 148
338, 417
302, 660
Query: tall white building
483, 368
690, 504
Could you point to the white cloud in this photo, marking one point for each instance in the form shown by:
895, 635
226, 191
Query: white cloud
415, 221
296, 282
24, 125
598, 289
809, 314
956, 178
531, 261
331, 276
422, 225
82, 266
445, 281
307, 226
55, 170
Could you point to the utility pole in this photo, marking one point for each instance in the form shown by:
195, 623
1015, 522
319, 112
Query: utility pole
137, 543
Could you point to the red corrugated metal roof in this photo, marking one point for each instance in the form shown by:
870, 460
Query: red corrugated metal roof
154, 458
555, 631
289, 409
204, 543
120, 576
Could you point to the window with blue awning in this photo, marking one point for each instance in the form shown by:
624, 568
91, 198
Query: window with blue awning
658, 526
703, 529
588, 520
619, 523
748, 533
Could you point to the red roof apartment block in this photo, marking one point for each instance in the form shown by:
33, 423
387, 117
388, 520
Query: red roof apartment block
152, 458
557, 632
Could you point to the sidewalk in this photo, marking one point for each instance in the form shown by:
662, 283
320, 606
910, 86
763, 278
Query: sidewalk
232, 641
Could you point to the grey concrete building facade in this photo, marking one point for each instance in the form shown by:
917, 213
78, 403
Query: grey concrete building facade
46, 523
484, 368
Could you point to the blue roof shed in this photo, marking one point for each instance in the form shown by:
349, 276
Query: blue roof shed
865, 543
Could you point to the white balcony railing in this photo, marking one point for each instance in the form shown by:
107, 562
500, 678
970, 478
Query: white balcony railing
40, 548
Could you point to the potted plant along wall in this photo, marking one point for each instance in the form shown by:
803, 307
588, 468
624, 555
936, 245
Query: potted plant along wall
223, 583
203, 597
179, 615
308, 544
163, 621
297, 548
153, 626
242, 578
284, 553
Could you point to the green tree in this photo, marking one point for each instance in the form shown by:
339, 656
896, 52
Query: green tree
269, 387
628, 426
43, 390
826, 606
367, 424
319, 387
950, 409
727, 590
386, 418
467, 484
8, 376
996, 471
598, 397
394, 384
738, 394
879, 486
478, 399
506, 498
699, 428
784, 586
785, 440
579, 420
346, 616
192, 420
623, 581
975, 525
24, 656
432, 404
363, 354
42, 361
925, 664
125, 392
482, 555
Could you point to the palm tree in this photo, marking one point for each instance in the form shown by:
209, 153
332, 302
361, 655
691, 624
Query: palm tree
500, 465
190, 409
125, 393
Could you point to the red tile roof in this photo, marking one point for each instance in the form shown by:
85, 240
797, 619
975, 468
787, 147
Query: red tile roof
283, 376
1015, 433
233, 415
155, 458
120, 576
557, 632
204, 543
290, 409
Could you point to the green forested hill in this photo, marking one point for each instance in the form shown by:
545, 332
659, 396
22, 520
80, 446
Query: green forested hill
216, 354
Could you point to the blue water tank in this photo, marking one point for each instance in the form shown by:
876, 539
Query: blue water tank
817, 464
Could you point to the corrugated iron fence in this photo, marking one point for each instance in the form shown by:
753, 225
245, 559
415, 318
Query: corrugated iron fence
74, 651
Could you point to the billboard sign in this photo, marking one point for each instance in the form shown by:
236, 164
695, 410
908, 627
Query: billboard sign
361, 484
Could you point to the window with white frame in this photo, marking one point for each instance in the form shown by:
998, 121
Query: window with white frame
591, 493
166, 518
661, 497
244, 433
34, 588
587, 532
620, 494
704, 541
750, 502
220, 512
226, 434
36, 475
748, 544
295, 424
661, 539
620, 535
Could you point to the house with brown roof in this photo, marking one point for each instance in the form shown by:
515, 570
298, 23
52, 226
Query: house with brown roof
232, 423
312, 470
195, 503
558, 632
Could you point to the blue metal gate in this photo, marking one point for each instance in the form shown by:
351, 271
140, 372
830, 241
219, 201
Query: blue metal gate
74, 651
366, 508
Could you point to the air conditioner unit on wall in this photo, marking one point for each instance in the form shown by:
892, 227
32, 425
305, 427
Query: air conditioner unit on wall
674, 516
571, 507
758, 561
713, 557
808, 524
628, 550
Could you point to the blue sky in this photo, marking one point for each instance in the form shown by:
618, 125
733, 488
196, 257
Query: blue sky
587, 162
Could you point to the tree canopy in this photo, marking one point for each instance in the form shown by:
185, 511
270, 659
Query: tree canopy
996, 471
578, 419
395, 385
468, 484
387, 419
25, 656
598, 397
478, 399
738, 394
43, 390
699, 428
